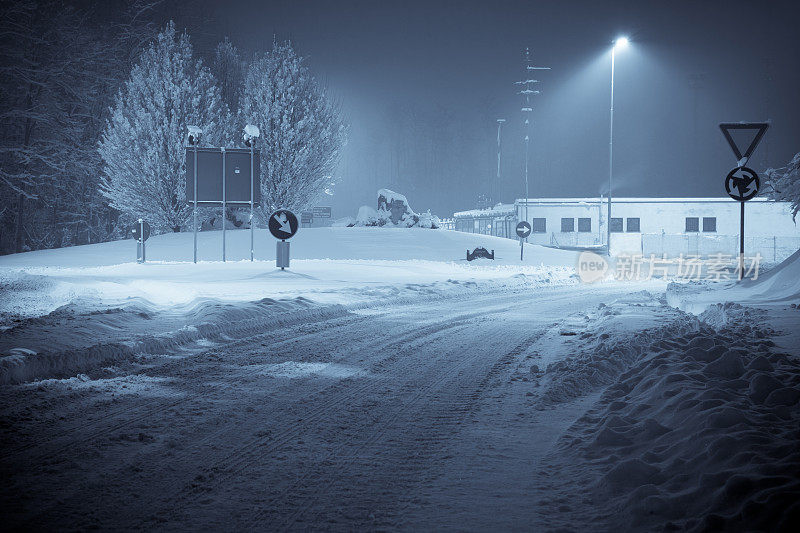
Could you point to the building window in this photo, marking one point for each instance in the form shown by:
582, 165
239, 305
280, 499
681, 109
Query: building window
616, 225
710, 224
539, 225
567, 225
633, 225
692, 224
584, 225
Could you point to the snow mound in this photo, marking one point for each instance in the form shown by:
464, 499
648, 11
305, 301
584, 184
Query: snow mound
81, 343
702, 422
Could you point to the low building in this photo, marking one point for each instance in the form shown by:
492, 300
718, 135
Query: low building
671, 226
500, 221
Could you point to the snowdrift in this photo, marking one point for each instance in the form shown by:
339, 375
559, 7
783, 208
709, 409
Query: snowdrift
696, 422
777, 286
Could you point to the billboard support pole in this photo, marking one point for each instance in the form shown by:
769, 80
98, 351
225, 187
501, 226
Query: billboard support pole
223, 203
194, 210
252, 199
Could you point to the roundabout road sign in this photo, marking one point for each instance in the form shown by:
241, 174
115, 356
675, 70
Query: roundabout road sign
283, 224
523, 230
742, 184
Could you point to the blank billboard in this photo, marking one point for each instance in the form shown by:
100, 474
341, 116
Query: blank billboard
209, 176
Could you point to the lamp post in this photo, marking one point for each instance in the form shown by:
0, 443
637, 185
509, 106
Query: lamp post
621, 42
497, 181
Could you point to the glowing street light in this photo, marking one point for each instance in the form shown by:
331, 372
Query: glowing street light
620, 43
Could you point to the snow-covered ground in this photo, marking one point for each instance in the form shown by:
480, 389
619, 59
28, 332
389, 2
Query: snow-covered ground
329, 265
383, 382
98, 305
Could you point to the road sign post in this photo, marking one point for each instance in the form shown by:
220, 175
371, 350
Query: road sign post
140, 232
523, 230
742, 183
252, 196
282, 224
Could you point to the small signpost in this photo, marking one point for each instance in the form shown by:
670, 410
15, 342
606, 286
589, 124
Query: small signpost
323, 211
523, 230
140, 231
282, 225
742, 183
307, 217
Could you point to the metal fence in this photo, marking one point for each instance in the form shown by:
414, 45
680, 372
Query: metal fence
772, 249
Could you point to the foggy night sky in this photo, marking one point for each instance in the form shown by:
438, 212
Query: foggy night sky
690, 66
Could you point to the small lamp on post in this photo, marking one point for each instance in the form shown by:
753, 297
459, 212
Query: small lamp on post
251, 133
193, 139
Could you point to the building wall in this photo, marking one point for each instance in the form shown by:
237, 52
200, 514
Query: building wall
769, 229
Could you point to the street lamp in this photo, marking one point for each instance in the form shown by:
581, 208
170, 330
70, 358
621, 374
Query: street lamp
620, 43
497, 181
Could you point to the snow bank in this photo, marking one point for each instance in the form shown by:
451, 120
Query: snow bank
778, 285
87, 344
696, 422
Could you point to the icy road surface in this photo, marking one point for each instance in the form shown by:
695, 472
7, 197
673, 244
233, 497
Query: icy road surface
501, 407
416, 415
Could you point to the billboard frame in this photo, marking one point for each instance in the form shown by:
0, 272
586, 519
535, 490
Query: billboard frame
192, 149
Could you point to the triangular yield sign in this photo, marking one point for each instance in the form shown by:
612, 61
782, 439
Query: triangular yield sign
743, 137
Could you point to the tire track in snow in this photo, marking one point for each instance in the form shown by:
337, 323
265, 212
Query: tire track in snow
244, 456
448, 411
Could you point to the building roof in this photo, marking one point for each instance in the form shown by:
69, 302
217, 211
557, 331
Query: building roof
496, 211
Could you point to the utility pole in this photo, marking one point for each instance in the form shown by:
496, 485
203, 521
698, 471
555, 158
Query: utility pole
527, 92
499, 150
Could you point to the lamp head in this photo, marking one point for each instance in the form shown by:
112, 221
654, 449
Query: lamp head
621, 42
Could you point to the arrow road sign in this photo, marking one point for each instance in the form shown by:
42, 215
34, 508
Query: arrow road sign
283, 224
742, 184
523, 230
743, 137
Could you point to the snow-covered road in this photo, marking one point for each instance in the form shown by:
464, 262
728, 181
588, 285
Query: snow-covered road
429, 414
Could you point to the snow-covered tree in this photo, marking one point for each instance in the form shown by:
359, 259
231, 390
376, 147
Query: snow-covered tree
302, 129
142, 147
228, 68
784, 184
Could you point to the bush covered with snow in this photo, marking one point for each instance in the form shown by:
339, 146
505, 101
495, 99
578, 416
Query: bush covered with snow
393, 210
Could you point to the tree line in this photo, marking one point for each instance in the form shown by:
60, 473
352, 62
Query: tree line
95, 112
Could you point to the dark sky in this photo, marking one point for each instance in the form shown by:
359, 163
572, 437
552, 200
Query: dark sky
423, 82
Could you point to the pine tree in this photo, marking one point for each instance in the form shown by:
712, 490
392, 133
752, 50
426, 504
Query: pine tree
784, 184
302, 129
142, 147
228, 68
